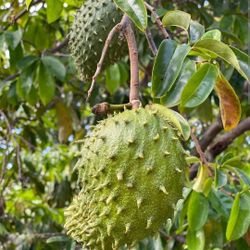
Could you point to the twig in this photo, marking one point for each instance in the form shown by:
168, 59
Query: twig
134, 65
199, 150
158, 21
151, 42
210, 135
225, 140
20, 14
18, 158
106, 108
111, 34
59, 46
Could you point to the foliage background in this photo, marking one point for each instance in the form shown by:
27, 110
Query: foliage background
43, 110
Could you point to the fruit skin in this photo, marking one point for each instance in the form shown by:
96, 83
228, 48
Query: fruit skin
131, 173
91, 26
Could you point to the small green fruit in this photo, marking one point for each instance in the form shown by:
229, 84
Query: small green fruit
91, 26
131, 172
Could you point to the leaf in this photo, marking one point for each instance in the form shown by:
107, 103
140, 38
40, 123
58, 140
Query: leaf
46, 84
197, 211
173, 96
54, 10
239, 219
26, 61
177, 18
57, 239
64, 121
199, 86
216, 49
28, 2
185, 128
25, 82
218, 203
13, 38
136, 10
167, 66
220, 178
229, 103
212, 34
244, 61
202, 177
55, 67
195, 240
196, 30
113, 78
233, 217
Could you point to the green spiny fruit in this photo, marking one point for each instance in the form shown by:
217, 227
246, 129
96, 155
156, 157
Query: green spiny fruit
91, 26
131, 172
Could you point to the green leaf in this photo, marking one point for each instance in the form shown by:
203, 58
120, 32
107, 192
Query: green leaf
24, 85
136, 10
215, 49
220, 178
244, 61
177, 18
218, 203
229, 103
202, 178
167, 66
233, 217
13, 38
197, 211
26, 62
212, 34
196, 30
57, 239
173, 96
113, 78
54, 10
28, 2
196, 239
46, 84
185, 128
199, 86
55, 67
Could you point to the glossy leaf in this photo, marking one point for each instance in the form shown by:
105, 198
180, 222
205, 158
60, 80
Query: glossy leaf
54, 10
177, 18
64, 121
197, 211
113, 78
13, 38
199, 86
233, 217
202, 177
220, 178
136, 10
28, 2
55, 67
46, 84
229, 103
215, 48
212, 34
244, 61
173, 96
167, 66
196, 30
196, 240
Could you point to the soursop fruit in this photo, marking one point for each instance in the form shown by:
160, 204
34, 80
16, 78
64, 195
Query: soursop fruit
131, 172
91, 26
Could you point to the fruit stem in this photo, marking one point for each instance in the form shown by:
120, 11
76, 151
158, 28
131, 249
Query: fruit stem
105, 108
134, 64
